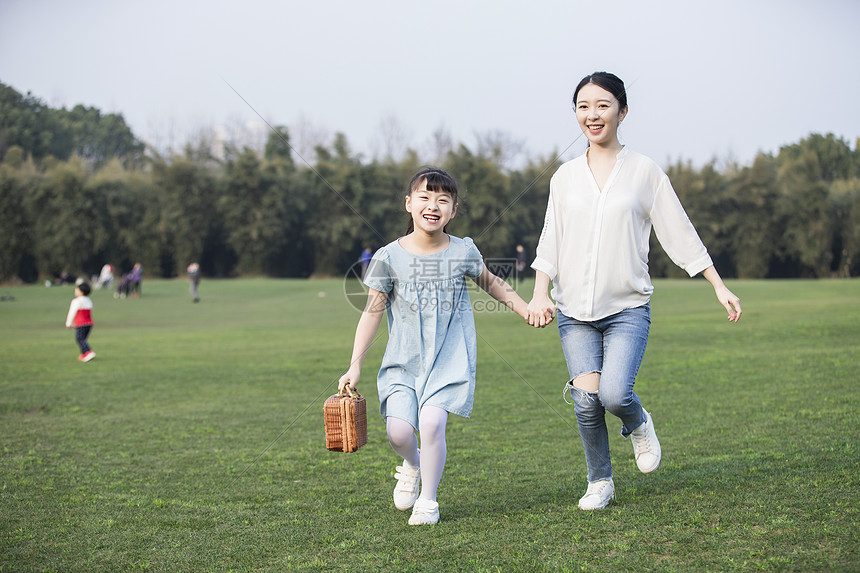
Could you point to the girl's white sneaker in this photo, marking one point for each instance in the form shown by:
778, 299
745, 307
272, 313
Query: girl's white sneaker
406, 490
598, 495
424, 512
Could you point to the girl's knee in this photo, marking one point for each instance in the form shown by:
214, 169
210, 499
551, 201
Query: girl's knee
396, 440
432, 421
400, 432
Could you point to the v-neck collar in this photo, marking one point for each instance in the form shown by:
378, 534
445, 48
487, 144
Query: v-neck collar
618, 160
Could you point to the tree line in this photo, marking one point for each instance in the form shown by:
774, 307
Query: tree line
78, 189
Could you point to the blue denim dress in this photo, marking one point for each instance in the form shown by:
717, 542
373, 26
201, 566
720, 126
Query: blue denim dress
431, 355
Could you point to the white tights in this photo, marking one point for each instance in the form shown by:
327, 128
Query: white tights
431, 427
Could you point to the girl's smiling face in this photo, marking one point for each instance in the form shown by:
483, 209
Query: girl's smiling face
430, 210
598, 115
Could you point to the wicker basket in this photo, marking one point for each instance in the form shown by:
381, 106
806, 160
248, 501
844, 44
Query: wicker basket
345, 417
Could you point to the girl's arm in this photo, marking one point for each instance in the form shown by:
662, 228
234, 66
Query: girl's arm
724, 295
73, 309
541, 309
368, 324
502, 292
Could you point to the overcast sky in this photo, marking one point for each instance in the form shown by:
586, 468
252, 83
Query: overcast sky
705, 79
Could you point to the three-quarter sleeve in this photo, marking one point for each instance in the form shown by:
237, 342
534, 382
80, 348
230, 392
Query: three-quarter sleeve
546, 254
675, 232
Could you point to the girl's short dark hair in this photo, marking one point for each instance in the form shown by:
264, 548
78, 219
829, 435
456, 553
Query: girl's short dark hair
438, 181
607, 81
85, 289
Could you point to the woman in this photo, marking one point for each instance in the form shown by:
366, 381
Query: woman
594, 249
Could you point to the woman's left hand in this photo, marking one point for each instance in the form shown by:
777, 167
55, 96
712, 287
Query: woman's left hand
731, 302
726, 297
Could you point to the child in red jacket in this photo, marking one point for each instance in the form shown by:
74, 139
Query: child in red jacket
81, 317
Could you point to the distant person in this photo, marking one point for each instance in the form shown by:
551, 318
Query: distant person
428, 370
594, 249
123, 286
366, 256
81, 318
193, 280
105, 279
65, 278
522, 262
136, 280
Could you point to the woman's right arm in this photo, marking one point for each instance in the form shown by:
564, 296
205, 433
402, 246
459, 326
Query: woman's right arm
541, 308
368, 324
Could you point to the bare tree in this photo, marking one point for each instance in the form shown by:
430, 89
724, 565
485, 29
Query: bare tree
392, 139
439, 145
501, 146
306, 136
162, 135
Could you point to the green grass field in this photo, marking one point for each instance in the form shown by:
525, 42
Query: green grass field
194, 441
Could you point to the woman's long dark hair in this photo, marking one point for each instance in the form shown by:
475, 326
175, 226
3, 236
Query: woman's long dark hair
438, 181
607, 81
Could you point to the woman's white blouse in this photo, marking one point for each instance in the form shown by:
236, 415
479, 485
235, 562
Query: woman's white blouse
594, 244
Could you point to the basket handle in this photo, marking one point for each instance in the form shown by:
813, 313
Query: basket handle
346, 389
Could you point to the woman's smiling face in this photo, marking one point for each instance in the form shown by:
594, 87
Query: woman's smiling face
598, 115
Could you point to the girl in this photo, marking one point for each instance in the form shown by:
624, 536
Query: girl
81, 318
428, 370
594, 248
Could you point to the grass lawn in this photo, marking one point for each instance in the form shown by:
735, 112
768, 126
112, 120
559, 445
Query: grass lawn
194, 441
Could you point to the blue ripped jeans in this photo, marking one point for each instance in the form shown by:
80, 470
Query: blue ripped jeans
614, 347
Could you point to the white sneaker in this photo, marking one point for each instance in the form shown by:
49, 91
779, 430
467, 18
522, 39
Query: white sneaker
646, 446
598, 495
425, 512
406, 490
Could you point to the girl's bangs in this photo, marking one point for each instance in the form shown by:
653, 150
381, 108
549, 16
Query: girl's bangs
440, 182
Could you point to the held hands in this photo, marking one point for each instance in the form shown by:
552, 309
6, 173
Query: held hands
541, 311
